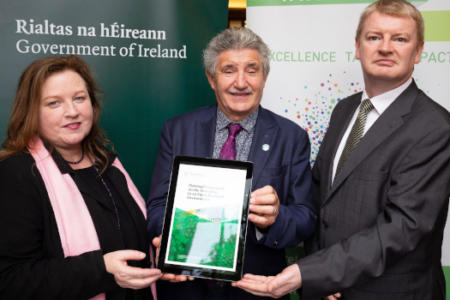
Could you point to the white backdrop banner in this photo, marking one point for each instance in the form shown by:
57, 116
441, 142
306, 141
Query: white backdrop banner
313, 63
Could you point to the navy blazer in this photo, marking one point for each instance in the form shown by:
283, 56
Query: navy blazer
285, 166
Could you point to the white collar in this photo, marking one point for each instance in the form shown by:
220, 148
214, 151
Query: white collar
382, 101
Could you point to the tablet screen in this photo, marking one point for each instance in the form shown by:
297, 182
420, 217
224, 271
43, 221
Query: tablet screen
206, 218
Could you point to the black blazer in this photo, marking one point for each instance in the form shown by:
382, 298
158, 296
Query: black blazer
381, 221
32, 263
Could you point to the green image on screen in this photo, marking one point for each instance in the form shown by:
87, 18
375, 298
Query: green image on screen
205, 241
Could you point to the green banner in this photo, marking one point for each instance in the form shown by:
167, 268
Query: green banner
309, 2
447, 281
146, 56
437, 25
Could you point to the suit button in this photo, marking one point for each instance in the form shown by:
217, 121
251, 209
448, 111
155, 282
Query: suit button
275, 243
325, 224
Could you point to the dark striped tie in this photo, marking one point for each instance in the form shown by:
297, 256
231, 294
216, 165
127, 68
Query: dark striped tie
356, 133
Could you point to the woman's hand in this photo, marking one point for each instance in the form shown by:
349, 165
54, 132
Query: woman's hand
127, 276
168, 276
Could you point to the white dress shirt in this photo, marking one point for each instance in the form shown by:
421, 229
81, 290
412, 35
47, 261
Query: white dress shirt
380, 103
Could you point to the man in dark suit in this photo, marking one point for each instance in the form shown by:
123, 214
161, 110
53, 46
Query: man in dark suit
281, 209
381, 179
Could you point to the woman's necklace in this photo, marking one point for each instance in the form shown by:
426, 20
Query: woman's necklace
78, 161
116, 210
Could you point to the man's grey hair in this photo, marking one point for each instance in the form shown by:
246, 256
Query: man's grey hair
235, 39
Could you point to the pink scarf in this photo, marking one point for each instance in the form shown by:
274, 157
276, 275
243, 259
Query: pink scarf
69, 206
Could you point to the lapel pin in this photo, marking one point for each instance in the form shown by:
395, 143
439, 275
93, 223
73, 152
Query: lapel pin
265, 147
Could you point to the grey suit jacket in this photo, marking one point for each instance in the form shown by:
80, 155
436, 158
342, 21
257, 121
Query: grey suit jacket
381, 221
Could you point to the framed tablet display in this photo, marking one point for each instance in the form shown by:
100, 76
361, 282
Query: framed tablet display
206, 218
